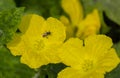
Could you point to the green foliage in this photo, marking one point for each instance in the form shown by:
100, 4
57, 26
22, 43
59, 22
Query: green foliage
7, 4
109, 7
46, 8
9, 21
10, 67
50, 70
117, 47
114, 74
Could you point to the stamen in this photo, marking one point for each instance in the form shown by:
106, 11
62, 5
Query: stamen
87, 65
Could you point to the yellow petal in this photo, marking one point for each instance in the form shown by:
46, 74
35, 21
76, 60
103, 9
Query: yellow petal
72, 73
31, 24
51, 52
36, 57
69, 73
65, 20
33, 59
97, 45
16, 46
30, 28
70, 52
96, 75
74, 9
69, 27
24, 24
93, 18
90, 25
108, 62
57, 31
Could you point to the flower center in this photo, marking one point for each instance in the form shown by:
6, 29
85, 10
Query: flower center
39, 44
87, 65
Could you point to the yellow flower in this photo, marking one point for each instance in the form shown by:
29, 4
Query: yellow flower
39, 40
90, 58
88, 26
74, 9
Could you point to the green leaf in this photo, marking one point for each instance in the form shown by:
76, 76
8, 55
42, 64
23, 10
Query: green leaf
46, 8
10, 66
114, 74
50, 70
117, 48
7, 4
112, 9
109, 7
9, 21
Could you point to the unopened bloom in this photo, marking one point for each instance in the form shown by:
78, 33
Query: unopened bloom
90, 58
89, 26
39, 40
77, 25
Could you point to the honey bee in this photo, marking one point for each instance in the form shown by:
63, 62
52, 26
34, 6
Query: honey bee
46, 34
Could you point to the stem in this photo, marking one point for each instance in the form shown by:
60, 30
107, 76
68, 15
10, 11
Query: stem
36, 75
40, 74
